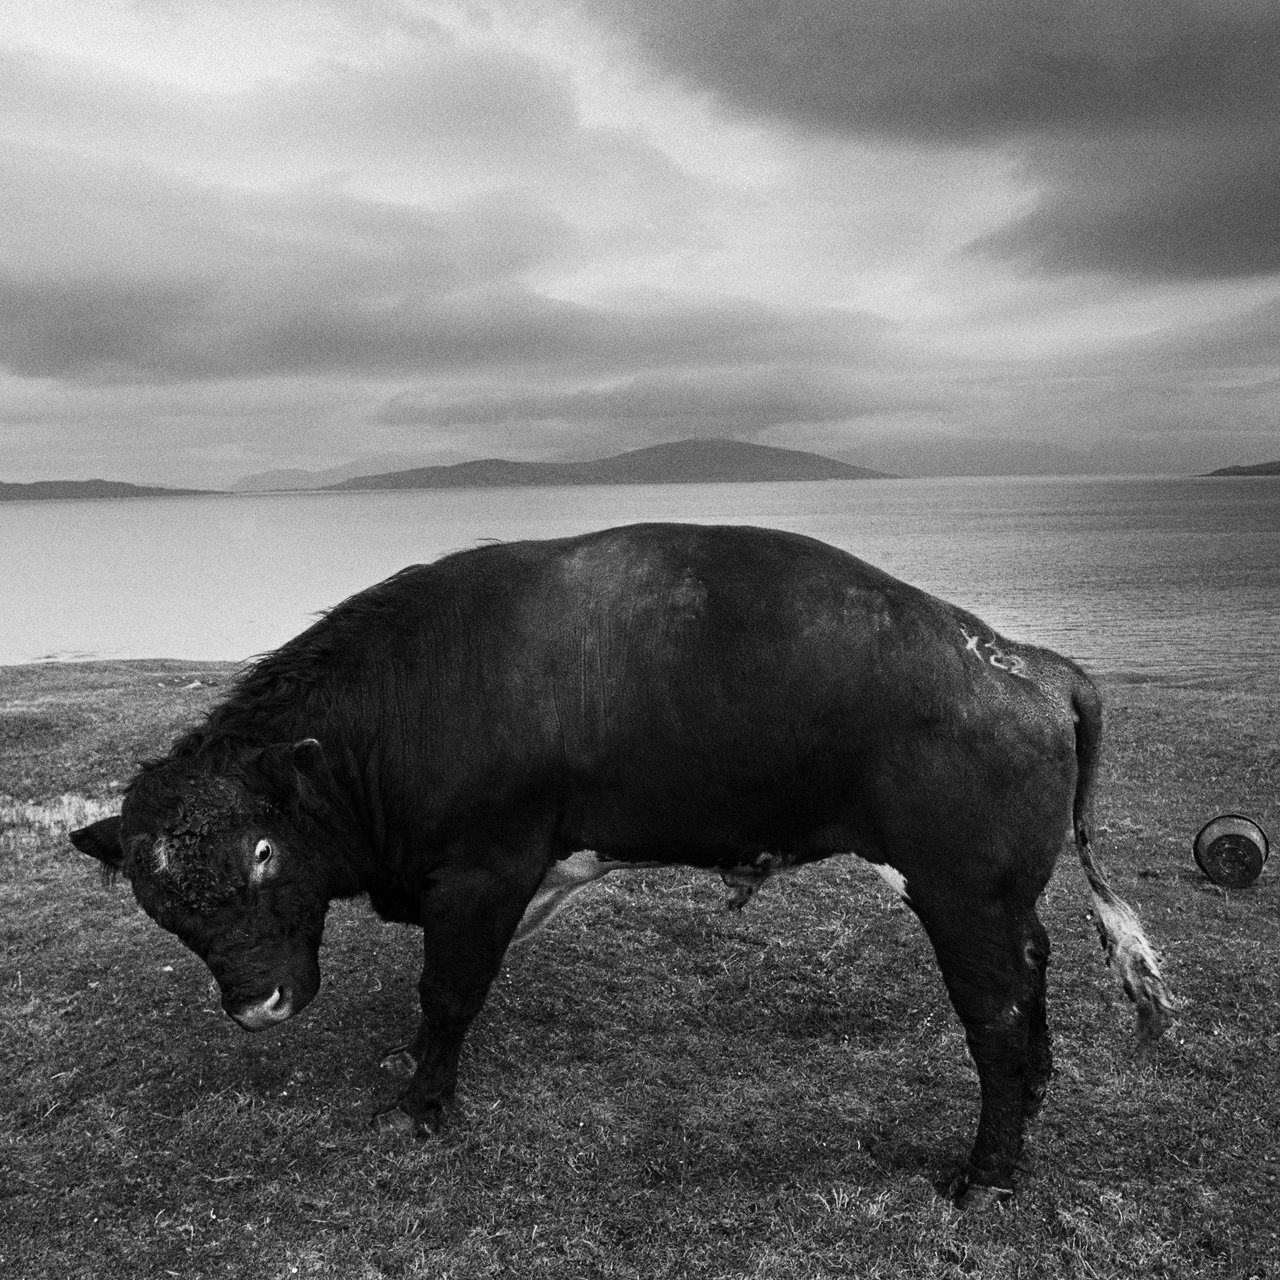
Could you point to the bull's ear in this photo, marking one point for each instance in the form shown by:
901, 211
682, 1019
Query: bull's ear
282, 766
101, 840
308, 758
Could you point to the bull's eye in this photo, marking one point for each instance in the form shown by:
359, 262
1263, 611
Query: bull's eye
262, 852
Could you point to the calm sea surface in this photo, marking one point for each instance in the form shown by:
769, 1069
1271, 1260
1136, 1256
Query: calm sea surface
1175, 578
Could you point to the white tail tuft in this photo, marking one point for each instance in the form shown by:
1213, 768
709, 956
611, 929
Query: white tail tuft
1127, 949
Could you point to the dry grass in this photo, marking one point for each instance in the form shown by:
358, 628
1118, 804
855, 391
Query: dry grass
58, 817
654, 1089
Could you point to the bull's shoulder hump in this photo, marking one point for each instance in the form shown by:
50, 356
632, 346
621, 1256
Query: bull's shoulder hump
724, 552
626, 552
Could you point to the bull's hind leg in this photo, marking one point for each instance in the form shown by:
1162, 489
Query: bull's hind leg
468, 918
992, 953
1035, 1081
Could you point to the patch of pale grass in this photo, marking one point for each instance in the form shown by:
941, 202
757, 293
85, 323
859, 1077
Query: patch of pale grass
63, 814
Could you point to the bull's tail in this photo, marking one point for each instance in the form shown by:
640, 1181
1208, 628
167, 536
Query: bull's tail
1123, 940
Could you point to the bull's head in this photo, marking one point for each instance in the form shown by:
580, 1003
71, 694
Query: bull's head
221, 858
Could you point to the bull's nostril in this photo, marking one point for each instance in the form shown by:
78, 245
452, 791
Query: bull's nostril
269, 1006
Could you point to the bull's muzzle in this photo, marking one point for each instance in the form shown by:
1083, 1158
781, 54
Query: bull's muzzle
262, 1014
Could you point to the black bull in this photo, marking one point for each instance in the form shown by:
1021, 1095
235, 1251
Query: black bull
451, 740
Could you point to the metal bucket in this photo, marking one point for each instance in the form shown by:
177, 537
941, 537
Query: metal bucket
1231, 850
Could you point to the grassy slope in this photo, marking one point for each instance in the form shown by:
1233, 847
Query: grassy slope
654, 1089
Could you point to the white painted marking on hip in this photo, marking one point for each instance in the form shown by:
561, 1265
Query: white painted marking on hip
999, 658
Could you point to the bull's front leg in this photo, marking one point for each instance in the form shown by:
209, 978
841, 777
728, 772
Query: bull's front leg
468, 918
446, 1016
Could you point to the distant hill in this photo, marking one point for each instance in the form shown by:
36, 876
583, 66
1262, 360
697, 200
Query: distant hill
1258, 469
293, 478
685, 462
52, 489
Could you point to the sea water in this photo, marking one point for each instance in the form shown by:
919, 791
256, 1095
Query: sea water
1169, 578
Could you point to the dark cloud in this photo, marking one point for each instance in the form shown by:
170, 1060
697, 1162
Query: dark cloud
127, 275
51, 328
124, 330
715, 403
1156, 205
1075, 88
931, 70
511, 330
112, 268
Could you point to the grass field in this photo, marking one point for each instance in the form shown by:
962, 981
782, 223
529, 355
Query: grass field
654, 1089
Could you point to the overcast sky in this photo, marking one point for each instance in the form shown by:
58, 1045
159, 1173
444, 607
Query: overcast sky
929, 236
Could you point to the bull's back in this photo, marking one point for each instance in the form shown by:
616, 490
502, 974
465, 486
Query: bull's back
682, 623
722, 686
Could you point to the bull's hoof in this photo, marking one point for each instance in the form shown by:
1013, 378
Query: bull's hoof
397, 1122
978, 1196
400, 1064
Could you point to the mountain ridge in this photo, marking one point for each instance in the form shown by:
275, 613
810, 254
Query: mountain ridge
283, 479
54, 490
681, 462
1257, 469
